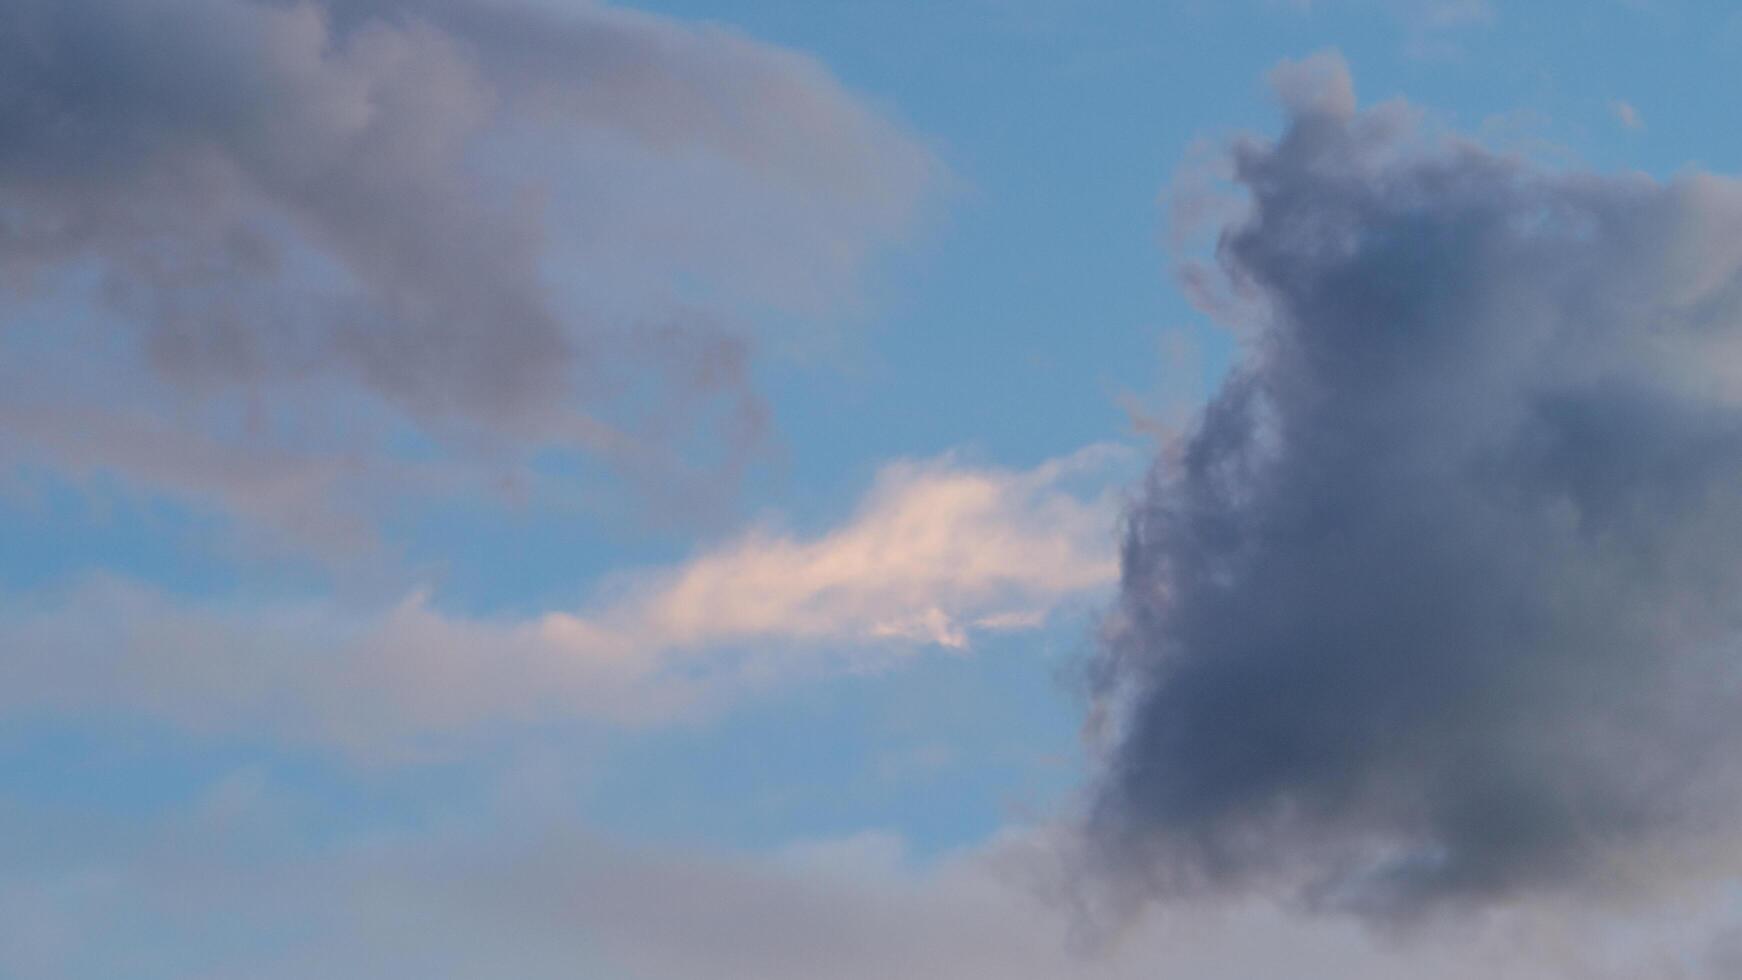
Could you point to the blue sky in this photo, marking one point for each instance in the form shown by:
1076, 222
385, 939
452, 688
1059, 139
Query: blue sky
486, 484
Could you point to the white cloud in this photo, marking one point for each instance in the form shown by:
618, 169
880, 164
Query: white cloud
936, 552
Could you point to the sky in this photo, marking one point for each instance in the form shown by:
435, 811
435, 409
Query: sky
758, 489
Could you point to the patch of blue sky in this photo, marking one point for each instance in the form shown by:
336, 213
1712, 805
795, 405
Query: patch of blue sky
943, 749
58, 531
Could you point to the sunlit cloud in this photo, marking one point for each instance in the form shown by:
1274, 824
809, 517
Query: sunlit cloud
936, 552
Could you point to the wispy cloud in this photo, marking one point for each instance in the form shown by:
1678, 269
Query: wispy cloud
331, 227
936, 552
1626, 114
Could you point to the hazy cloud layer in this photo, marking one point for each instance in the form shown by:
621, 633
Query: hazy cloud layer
461, 220
936, 552
1438, 603
519, 889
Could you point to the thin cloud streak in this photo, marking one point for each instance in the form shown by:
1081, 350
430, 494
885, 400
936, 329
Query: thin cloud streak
936, 552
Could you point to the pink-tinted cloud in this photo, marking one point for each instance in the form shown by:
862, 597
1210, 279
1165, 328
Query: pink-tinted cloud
936, 552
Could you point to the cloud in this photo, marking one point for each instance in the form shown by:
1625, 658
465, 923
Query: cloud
1437, 605
935, 553
1317, 85
456, 221
1626, 114
539, 896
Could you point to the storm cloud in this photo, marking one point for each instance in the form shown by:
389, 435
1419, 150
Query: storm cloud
1437, 605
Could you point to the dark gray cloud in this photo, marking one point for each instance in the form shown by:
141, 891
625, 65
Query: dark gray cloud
1438, 603
470, 219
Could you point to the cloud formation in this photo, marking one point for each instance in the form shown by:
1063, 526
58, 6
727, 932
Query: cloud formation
449, 221
936, 552
1438, 603
539, 896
